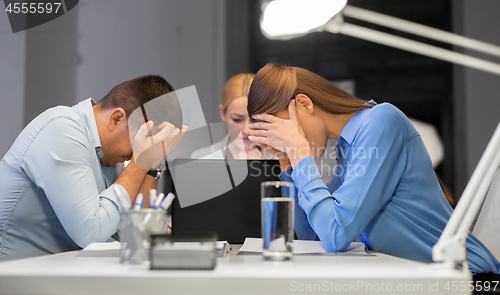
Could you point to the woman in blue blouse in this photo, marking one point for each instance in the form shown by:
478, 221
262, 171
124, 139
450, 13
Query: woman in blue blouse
384, 188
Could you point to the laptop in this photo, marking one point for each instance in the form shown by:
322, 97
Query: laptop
234, 214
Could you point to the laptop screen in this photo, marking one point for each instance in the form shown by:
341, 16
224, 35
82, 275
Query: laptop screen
235, 213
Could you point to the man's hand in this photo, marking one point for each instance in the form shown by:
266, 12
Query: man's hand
150, 150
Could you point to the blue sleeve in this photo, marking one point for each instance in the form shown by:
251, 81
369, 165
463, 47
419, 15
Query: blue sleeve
301, 224
59, 162
369, 182
334, 183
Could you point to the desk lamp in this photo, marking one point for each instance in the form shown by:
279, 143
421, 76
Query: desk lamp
287, 19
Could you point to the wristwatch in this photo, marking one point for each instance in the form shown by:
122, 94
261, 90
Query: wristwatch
156, 173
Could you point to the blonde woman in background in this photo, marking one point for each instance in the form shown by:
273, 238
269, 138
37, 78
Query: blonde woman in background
233, 111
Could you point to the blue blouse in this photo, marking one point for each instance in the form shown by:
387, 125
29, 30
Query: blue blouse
384, 190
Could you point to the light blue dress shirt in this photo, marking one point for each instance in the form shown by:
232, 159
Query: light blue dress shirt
55, 195
384, 190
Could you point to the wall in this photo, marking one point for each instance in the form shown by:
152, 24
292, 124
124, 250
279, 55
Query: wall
181, 40
238, 14
99, 44
476, 93
12, 61
51, 58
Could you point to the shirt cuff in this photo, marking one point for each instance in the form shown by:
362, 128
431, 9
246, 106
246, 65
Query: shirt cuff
286, 176
123, 203
305, 172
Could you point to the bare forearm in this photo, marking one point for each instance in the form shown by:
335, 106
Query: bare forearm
132, 178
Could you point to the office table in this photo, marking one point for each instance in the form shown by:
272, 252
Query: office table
70, 273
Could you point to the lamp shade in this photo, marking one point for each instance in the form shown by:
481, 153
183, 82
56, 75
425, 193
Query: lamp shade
286, 19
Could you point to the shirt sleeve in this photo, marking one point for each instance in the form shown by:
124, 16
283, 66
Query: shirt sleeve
335, 182
59, 162
376, 165
302, 227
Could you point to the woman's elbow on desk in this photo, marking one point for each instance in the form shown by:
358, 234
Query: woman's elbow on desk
332, 245
335, 239
329, 230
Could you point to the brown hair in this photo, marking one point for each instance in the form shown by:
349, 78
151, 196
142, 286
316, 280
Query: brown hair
134, 93
446, 191
237, 86
275, 85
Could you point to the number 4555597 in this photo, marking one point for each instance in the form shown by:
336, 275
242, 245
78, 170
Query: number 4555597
33, 7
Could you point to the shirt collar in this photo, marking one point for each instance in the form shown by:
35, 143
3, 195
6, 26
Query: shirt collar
351, 128
87, 112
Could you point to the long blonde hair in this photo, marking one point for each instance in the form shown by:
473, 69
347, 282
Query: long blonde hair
237, 86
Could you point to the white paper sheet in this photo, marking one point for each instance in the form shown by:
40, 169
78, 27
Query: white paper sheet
108, 249
103, 246
254, 245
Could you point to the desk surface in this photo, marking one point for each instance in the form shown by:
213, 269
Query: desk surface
67, 273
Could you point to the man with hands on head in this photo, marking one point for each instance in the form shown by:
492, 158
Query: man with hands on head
58, 180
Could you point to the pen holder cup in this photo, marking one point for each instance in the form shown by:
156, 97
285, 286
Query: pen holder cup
135, 231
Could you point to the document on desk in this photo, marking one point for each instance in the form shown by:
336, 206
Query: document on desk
112, 249
302, 247
222, 248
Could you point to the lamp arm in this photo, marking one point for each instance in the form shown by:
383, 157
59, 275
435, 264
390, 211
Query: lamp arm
336, 25
420, 30
478, 196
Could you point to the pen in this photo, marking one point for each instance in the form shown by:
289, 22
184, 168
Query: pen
139, 202
152, 198
166, 202
153, 205
157, 204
